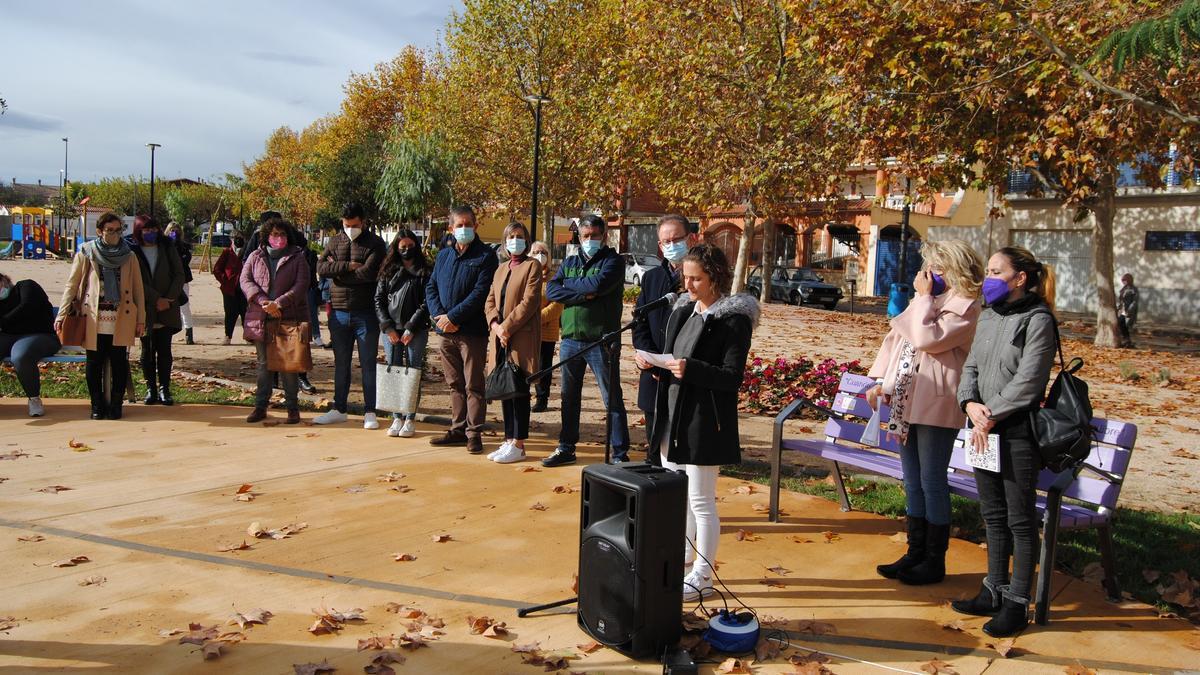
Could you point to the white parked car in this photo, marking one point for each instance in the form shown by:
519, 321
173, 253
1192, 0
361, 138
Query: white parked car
636, 266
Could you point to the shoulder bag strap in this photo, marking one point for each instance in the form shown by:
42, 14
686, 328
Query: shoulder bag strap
500, 309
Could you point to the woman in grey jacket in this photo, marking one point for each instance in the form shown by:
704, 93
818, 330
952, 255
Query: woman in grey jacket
1003, 380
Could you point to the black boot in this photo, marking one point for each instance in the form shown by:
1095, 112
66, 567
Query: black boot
151, 391
114, 410
1010, 620
98, 411
541, 405
918, 528
986, 603
189, 339
932, 567
164, 392
306, 386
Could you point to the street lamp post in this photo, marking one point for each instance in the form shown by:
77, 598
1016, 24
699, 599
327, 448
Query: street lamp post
62, 200
537, 100
153, 147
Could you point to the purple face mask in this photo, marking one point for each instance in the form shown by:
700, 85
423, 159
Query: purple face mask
939, 284
994, 290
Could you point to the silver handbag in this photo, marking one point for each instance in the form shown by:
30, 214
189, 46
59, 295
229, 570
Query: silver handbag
397, 386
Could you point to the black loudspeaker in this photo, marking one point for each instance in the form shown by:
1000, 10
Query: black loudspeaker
631, 543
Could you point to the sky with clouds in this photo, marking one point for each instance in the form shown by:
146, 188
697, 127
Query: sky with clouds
207, 80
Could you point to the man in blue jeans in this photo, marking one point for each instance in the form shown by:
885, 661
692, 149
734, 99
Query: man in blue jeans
351, 261
590, 285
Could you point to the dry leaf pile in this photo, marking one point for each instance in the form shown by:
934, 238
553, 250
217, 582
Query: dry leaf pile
487, 627
1178, 588
212, 642
331, 621
550, 660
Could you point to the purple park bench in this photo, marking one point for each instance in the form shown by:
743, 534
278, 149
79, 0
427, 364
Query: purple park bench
1092, 487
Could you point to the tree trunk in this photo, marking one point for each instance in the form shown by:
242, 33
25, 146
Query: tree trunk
767, 267
1103, 213
547, 229
741, 267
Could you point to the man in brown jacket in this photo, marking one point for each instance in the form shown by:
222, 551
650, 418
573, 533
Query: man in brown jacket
352, 261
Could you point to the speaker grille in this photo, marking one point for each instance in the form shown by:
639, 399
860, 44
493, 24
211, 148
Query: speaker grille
606, 594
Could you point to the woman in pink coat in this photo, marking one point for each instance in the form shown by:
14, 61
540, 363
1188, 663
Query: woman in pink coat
918, 368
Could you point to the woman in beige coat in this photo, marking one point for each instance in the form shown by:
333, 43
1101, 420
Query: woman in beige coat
106, 282
513, 312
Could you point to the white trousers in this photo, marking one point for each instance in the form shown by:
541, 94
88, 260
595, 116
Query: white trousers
185, 312
703, 524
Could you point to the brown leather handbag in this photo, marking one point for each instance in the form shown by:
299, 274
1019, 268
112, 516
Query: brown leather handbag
73, 329
288, 350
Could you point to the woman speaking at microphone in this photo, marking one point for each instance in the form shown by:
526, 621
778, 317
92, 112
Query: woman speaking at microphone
695, 419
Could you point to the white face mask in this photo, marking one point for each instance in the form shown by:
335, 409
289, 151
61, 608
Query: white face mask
540, 257
353, 232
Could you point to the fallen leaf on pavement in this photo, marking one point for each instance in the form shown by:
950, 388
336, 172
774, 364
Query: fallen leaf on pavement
243, 619
375, 642
404, 557
331, 621
381, 664
831, 537
801, 540
743, 490
235, 547
771, 583
1002, 647
528, 469
780, 570
355, 489
390, 477
257, 531
937, 666
747, 535
1078, 669
198, 634
400, 488
563, 489
440, 538
956, 625
93, 581
78, 446
313, 668
766, 649
71, 562
32, 538
899, 538
169, 632
732, 665
14, 454
54, 489
526, 649
815, 627
331, 458
538, 506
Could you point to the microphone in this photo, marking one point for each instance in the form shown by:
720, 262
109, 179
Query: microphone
665, 301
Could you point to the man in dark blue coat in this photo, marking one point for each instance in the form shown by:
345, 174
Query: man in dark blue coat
675, 238
457, 288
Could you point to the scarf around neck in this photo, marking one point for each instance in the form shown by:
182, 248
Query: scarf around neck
108, 260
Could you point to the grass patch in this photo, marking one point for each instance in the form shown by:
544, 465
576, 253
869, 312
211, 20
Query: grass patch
1144, 540
66, 380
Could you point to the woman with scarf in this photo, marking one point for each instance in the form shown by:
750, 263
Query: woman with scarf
162, 284
275, 281
403, 316
695, 418
918, 369
1003, 382
106, 281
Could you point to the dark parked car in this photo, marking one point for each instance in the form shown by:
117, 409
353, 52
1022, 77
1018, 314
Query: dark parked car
796, 286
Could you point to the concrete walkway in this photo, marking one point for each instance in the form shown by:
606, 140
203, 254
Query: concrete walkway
154, 499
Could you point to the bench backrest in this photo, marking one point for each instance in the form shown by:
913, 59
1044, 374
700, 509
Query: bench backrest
851, 400
1112, 446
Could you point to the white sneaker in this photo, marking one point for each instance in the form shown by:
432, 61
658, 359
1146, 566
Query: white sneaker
316, 342
406, 431
226, 340
370, 421
696, 585
331, 417
397, 425
498, 451
513, 453
36, 409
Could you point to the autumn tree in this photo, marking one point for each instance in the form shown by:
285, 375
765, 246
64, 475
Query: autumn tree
729, 108
960, 93
417, 177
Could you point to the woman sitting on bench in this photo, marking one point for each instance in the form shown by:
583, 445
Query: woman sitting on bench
918, 368
1004, 379
27, 334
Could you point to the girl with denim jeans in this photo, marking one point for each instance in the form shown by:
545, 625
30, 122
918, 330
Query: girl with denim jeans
918, 369
1004, 380
403, 315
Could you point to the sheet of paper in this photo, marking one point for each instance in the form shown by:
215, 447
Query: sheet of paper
988, 459
656, 360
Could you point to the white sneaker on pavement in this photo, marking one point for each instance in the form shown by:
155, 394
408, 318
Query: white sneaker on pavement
406, 431
513, 453
696, 585
36, 409
394, 430
331, 417
498, 451
316, 342
370, 421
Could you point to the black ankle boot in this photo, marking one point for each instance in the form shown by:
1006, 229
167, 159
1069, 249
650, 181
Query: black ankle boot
1012, 618
114, 411
189, 339
932, 567
918, 528
152, 397
164, 392
541, 405
98, 411
986, 603
306, 386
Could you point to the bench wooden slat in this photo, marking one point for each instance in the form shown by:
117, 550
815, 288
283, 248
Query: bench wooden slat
857, 406
855, 384
846, 430
860, 457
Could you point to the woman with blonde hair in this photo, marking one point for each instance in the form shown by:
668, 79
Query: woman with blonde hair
918, 368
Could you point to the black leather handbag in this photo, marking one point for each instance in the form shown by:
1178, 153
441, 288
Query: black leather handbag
1062, 427
507, 380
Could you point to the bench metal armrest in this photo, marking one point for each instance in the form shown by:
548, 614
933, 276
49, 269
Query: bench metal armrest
1106, 475
777, 446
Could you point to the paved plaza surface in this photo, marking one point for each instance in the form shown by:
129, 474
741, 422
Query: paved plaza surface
153, 499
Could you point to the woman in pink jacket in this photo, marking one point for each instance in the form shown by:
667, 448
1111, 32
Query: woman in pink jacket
918, 368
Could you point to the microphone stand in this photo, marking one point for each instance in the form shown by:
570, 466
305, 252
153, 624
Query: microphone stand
611, 343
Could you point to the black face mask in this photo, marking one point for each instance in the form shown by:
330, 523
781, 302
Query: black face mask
407, 253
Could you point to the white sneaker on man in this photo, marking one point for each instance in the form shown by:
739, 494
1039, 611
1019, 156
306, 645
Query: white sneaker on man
397, 425
370, 421
498, 451
36, 409
406, 431
696, 585
316, 342
513, 453
331, 417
